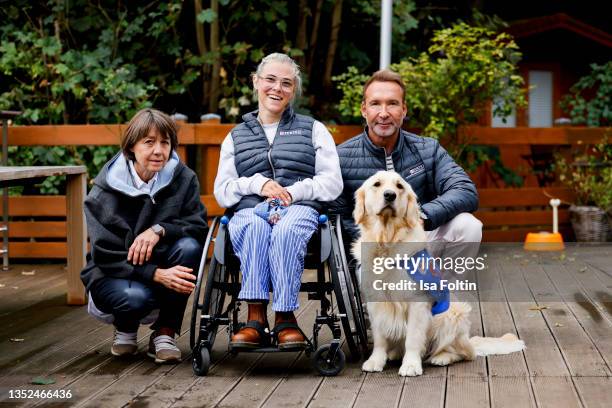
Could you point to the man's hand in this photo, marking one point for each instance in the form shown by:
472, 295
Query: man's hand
176, 278
141, 249
272, 189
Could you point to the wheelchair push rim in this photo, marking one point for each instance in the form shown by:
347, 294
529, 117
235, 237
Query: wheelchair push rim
210, 302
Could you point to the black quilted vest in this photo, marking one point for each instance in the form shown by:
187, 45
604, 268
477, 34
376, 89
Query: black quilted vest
289, 159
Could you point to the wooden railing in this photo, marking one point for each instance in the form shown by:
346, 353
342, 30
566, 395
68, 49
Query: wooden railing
38, 230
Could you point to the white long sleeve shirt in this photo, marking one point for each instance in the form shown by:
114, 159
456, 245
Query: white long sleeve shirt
326, 185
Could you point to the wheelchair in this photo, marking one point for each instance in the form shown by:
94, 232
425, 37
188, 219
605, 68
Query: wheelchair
216, 301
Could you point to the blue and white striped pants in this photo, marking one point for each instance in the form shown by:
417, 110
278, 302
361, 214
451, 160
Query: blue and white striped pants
273, 255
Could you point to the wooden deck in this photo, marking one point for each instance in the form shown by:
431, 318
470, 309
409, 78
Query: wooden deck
567, 326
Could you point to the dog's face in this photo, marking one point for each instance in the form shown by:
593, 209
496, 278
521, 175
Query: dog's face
386, 195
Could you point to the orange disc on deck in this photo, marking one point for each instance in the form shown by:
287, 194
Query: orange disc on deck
544, 241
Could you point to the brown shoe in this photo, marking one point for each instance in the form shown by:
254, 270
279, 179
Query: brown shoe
255, 332
288, 334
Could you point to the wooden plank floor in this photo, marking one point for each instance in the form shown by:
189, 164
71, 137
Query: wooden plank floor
564, 315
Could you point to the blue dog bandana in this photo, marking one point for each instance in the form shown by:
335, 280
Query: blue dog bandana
429, 275
271, 211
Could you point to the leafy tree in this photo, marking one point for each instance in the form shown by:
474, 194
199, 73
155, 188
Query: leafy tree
90, 62
322, 35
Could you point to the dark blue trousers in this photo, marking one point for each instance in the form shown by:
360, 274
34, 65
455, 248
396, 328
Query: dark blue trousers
131, 300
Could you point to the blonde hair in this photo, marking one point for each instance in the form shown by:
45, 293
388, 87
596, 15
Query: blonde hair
285, 59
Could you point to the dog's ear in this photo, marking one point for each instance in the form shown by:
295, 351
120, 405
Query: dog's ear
359, 211
412, 217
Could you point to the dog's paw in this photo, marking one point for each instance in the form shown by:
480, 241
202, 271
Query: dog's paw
372, 365
410, 370
443, 359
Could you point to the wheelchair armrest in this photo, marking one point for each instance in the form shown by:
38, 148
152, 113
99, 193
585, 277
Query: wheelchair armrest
220, 241
325, 233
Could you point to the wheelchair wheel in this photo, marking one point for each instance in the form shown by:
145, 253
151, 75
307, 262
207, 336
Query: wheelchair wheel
346, 291
201, 361
210, 303
326, 365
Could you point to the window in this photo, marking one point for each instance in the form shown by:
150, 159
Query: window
540, 99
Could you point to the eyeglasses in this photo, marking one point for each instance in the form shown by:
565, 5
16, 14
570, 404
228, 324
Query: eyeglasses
270, 81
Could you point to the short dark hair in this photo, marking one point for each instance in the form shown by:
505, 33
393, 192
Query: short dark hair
385, 75
141, 124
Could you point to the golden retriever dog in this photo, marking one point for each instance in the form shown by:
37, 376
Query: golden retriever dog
387, 212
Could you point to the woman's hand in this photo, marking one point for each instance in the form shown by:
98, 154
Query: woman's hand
141, 249
272, 189
176, 278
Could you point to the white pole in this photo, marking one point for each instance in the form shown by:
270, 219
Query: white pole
555, 202
386, 11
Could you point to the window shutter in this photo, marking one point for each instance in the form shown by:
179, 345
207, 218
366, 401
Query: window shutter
540, 99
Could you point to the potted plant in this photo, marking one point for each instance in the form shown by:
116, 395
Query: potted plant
590, 174
590, 177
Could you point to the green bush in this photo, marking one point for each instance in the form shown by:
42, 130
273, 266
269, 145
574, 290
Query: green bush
595, 109
80, 62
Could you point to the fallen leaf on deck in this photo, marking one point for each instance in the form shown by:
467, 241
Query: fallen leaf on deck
583, 269
28, 273
558, 325
571, 258
2, 285
42, 381
15, 340
562, 256
15, 287
538, 308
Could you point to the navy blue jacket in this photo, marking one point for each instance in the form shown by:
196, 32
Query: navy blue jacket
442, 186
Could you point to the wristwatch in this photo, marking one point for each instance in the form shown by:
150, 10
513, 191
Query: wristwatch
159, 230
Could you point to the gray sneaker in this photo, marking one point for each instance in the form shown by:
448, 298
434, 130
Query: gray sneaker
124, 344
163, 349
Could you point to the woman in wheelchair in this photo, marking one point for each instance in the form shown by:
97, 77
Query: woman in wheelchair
275, 170
146, 225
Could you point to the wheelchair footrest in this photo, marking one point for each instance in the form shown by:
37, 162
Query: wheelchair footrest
217, 320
